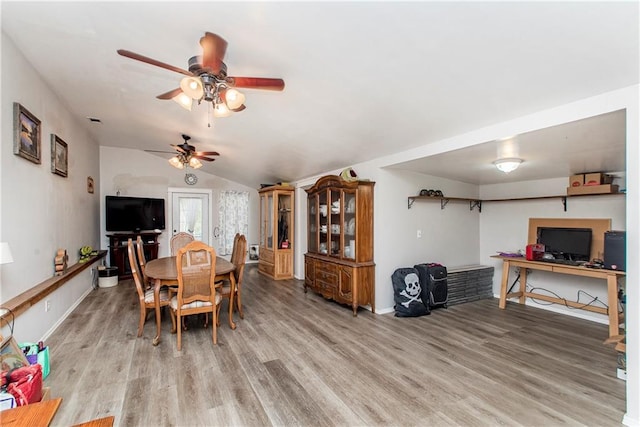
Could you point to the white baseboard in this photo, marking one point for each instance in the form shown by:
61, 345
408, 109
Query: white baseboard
66, 314
557, 309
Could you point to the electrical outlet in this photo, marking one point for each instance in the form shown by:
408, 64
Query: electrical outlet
47, 305
419, 234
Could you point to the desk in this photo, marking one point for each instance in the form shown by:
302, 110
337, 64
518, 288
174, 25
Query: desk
164, 272
611, 276
31, 415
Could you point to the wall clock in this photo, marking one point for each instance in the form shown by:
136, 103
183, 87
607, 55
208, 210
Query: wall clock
190, 179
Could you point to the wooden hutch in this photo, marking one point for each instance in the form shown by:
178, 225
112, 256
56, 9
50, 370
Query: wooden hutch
276, 231
339, 262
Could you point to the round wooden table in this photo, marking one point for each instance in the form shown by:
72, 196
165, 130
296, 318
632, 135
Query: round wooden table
164, 272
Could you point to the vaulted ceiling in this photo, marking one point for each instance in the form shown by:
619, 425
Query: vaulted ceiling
363, 79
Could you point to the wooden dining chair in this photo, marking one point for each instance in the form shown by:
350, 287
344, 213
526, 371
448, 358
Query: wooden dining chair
142, 262
179, 240
145, 296
196, 267
238, 257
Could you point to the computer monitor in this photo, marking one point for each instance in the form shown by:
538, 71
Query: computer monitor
566, 243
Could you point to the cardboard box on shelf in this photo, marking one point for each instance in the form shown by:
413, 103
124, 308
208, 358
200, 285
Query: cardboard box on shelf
597, 178
576, 180
592, 189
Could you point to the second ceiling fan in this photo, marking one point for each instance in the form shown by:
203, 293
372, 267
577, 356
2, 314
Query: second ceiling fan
207, 79
186, 155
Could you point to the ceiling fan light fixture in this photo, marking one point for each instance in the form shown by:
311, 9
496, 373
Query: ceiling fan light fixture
221, 110
184, 101
192, 87
507, 165
233, 98
195, 163
176, 162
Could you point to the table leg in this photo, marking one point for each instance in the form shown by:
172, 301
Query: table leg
503, 284
523, 285
232, 282
156, 298
612, 300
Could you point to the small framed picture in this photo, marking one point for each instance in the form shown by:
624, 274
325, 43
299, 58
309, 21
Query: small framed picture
90, 185
26, 134
11, 356
59, 156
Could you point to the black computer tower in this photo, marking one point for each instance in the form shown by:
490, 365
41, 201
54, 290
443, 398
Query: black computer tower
615, 250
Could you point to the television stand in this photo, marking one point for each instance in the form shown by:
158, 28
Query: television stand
118, 255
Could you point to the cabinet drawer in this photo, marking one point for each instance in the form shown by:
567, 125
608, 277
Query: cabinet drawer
327, 277
323, 267
326, 288
267, 255
266, 268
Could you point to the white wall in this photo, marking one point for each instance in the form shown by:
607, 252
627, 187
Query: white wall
42, 212
136, 173
502, 226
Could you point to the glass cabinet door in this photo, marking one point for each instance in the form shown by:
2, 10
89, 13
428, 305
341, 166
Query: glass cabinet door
349, 225
269, 222
263, 221
312, 226
335, 210
284, 220
323, 223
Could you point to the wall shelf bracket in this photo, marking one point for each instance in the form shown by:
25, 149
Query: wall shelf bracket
475, 203
564, 203
410, 201
443, 203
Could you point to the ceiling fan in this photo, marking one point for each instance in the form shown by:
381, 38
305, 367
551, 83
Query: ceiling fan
207, 79
186, 155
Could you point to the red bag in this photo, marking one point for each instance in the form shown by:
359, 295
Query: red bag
25, 384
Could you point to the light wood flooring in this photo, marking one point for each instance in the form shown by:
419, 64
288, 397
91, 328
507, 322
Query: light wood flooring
297, 359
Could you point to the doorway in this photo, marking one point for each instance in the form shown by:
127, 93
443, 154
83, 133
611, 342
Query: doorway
190, 212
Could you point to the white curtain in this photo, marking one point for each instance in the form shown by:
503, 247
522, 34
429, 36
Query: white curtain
189, 210
233, 217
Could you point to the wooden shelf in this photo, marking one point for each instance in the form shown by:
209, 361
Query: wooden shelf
473, 203
25, 300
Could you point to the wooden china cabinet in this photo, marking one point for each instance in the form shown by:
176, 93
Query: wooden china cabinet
276, 232
339, 262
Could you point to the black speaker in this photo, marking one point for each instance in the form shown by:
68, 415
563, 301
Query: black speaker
615, 250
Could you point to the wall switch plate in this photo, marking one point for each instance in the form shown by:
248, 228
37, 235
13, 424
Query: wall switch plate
419, 234
47, 305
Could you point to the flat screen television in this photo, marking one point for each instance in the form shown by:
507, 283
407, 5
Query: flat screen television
566, 243
134, 213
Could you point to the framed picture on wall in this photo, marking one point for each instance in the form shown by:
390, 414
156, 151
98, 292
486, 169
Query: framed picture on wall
26, 134
59, 156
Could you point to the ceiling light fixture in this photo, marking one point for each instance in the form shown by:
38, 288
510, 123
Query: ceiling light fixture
182, 161
507, 165
209, 88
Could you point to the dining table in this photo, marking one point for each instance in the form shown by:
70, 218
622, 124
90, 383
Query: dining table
164, 272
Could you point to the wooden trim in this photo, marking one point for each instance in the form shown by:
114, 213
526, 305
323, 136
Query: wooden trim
30, 297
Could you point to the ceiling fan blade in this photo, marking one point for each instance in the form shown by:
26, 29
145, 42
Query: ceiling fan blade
151, 61
256, 83
179, 148
206, 159
240, 108
171, 94
206, 153
214, 48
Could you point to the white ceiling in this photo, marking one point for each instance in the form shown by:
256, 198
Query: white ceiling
363, 79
